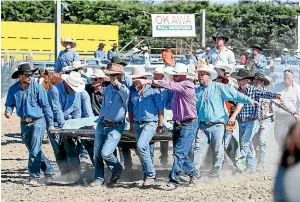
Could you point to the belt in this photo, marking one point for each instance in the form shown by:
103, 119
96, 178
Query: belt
265, 118
247, 120
209, 123
110, 123
142, 122
28, 120
185, 121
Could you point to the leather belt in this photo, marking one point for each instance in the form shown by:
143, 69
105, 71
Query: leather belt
184, 121
28, 120
247, 120
142, 122
110, 123
208, 123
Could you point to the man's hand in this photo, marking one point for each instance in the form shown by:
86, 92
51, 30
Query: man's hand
159, 130
141, 82
51, 129
231, 121
115, 82
7, 114
253, 102
296, 117
64, 69
280, 98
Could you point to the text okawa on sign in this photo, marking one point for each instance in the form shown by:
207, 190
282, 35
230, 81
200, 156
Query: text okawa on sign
173, 25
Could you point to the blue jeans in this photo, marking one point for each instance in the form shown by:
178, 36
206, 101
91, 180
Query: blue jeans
183, 138
260, 140
143, 134
247, 131
105, 143
32, 136
214, 136
279, 192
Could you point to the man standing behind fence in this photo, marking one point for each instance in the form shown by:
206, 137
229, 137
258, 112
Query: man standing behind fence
31, 103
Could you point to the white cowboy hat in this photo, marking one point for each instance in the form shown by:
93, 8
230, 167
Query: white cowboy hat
98, 73
75, 81
285, 50
248, 51
179, 69
209, 69
136, 50
139, 72
159, 70
223, 66
76, 65
144, 48
68, 39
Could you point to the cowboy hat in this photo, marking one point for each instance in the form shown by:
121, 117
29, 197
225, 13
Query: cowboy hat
285, 50
75, 81
117, 60
145, 48
136, 50
222, 75
248, 51
69, 40
220, 35
209, 69
159, 70
98, 73
115, 44
114, 69
178, 69
242, 74
223, 66
101, 45
207, 49
76, 65
24, 67
138, 72
262, 77
256, 46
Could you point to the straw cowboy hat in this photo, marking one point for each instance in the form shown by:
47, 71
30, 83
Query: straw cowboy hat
285, 50
222, 75
220, 35
179, 69
209, 69
242, 74
159, 70
25, 67
114, 69
75, 81
69, 40
256, 46
262, 77
145, 48
98, 73
224, 67
138, 72
248, 51
76, 65
136, 50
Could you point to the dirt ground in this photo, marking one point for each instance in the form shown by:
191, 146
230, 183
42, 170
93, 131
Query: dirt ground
14, 155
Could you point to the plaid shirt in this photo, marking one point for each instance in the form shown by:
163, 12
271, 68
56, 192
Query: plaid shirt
251, 111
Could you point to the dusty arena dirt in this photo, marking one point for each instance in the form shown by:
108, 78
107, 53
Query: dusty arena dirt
255, 187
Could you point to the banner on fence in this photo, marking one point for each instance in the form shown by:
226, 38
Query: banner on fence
173, 25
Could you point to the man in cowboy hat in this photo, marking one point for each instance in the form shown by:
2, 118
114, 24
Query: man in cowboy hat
65, 101
168, 57
135, 56
248, 116
99, 53
111, 124
32, 106
290, 92
67, 56
145, 109
113, 52
285, 56
221, 53
259, 60
117, 60
185, 118
265, 118
212, 117
145, 52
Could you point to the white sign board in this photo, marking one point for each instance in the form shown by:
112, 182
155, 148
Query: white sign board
173, 25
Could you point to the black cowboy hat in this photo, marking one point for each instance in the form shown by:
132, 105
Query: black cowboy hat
117, 60
220, 35
256, 46
262, 77
221, 74
25, 67
242, 74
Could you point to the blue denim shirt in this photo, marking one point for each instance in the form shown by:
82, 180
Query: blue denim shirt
262, 62
112, 53
167, 98
145, 106
211, 101
115, 102
284, 58
64, 105
65, 58
100, 54
30, 103
86, 106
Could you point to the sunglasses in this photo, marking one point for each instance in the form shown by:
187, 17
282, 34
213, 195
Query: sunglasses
27, 75
114, 75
